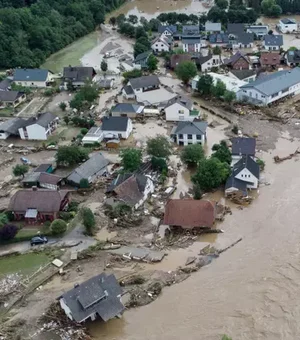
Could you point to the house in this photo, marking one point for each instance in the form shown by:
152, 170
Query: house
244, 75
218, 39
246, 170
11, 98
292, 58
167, 30
39, 127
140, 85
141, 60
242, 146
213, 27
156, 99
5, 84
45, 167
100, 296
234, 185
269, 59
33, 77
116, 127
271, 87
106, 83
131, 189
176, 59
287, 25
94, 135
42, 180
128, 92
77, 76
206, 63
127, 110
189, 214
189, 132
235, 29
242, 40
238, 61
273, 42
11, 127
161, 44
38, 205
190, 30
93, 168
259, 31
180, 108
191, 43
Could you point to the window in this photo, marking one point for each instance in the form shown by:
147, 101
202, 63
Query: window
274, 95
180, 136
199, 137
181, 112
285, 90
190, 136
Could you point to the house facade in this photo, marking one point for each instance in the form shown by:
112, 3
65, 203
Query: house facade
77, 76
167, 30
186, 133
287, 25
161, 44
218, 39
33, 77
292, 58
116, 127
247, 76
141, 60
258, 30
139, 85
273, 42
238, 61
11, 98
270, 59
179, 109
208, 62
11, 127
191, 44
243, 40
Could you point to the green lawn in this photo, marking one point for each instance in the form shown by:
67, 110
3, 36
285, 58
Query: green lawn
6, 112
25, 264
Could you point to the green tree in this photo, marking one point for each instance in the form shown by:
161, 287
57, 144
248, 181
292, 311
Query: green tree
192, 154
133, 19
120, 19
8, 232
217, 50
135, 73
88, 220
186, 70
127, 29
226, 337
229, 96
63, 106
131, 159
211, 173
159, 147
159, 164
84, 131
219, 89
3, 219
261, 164
66, 119
58, 227
84, 183
154, 24
270, 8
222, 152
197, 192
139, 48
71, 155
152, 63
205, 85
140, 32
20, 170
113, 21
103, 65
223, 4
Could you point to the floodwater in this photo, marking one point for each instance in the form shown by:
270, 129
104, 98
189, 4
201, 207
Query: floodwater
249, 292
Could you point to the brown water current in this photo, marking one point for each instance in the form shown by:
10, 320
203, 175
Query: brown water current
251, 291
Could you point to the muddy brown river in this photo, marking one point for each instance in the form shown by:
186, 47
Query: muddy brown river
251, 291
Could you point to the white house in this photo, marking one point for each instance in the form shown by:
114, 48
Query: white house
241, 147
247, 170
273, 42
259, 30
39, 127
191, 43
116, 127
139, 85
167, 30
209, 61
161, 44
272, 87
33, 77
245, 75
287, 25
186, 133
180, 108
94, 135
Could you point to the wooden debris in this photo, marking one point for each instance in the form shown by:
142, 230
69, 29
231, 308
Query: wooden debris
278, 159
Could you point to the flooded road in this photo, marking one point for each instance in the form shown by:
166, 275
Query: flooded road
251, 291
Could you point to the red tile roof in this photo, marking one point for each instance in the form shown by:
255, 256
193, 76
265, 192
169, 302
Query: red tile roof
269, 59
189, 213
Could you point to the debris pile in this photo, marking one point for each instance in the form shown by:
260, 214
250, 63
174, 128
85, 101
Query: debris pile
278, 159
239, 198
9, 284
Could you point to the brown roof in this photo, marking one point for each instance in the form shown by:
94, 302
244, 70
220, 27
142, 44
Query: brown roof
129, 191
176, 59
270, 59
189, 213
49, 178
41, 199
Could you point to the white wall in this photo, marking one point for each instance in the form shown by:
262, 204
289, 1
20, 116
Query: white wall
215, 61
177, 112
34, 132
128, 96
48, 186
236, 158
124, 134
32, 83
149, 189
287, 28
196, 47
246, 175
66, 308
4, 135
272, 48
160, 46
193, 140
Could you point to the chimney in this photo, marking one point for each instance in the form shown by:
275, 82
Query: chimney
34, 188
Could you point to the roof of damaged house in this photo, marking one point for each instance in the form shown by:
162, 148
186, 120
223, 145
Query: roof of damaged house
98, 295
79, 73
243, 74
42, 200
144, 81
189, 213
42, 177
181, 100
114, 123
191, 40
142, 56
163, 38
176, 59
42, 119
5, 84
202, 60
43, 167
12, 126
31, 74
10, 96
92, 166
243, 146
273, 40
245, 38
128, 107
293, 56
190, 128
171, 28
270, 59
236, 183
246, 162
233, 59
105, 83
288, 21
259, 29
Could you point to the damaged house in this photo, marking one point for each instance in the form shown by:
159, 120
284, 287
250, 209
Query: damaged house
98, 297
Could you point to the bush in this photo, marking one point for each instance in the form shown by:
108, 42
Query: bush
261, 164
73, 206
3, 219
159, 163
197, 192
84, 183
49, 92
8, 232
65, 215
235, 129
88, 219
63, 106
58, 227
84, 131
192, 154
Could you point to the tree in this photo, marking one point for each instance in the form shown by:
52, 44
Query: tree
144, 41
120, 19
154, 24
159, 147
261, 164
63, 106
58, 227
197, 192
222, 152
270, 32
135, 73
205, 85
223, 4
8, 232
3, 219
229, 96
270, 8
226, 337
219, 89
152, 63
131, 159
84, 131
71, 155
159, 164
127, 29
140, 32
133, 19
20, 170
192, 154
113, 21
139, 48
84, 183
211, 173
87, 94
186, 70
88, 220
103, 65
217, 50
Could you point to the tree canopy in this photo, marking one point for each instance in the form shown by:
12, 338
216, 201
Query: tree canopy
205, 84
131, 159
159, 147
270, 8
152, 63
103, 65
186, 71
219, 89
222, 152
58, 227
88, 220
71, 155
192, 154
86, 95
20, 170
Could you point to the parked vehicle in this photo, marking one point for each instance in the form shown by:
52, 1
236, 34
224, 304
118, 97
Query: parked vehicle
25, 160
38, 240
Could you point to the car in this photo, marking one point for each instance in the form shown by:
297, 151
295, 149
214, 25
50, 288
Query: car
40, 239
25, 160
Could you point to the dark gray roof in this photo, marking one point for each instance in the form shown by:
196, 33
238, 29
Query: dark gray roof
243, 74
235, 28
144, 81
273, 40
142, 56
114, 123
78, 73
140, 178
287, 21
275, 82
5, 84
293, 56
99, 295
221, 38
246, 162
96, 163
105, 83
245, 38
190, 29
191, 128
233, 182
42, 119
171, 28
201, 60
191, 40
258, 29
213, 26
10, 96
233, 59
128, 89
42, 167
243, 146
182, 100
126, 107
12, 126
30, 74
